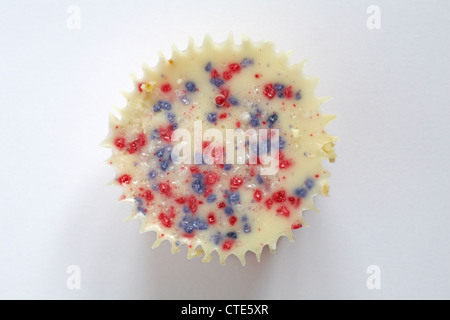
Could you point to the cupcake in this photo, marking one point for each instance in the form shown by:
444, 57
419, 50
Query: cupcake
220, 148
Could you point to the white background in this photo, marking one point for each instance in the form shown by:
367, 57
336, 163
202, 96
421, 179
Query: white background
389, 204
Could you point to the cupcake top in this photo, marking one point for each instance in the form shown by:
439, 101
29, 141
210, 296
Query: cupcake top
220, 148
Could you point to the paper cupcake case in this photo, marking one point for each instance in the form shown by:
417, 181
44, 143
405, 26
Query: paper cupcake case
229, 208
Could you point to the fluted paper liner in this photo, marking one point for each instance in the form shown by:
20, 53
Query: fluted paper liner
257, 223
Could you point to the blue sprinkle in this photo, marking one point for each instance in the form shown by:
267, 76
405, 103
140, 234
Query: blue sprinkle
229, 210
259, 179
138, 200
247, 228
212, 117
156, 108
233, 198
186, 209
217, 82
187, 224
171, 117
232, 235
280, 94
152, 174
141, 210
174, 126
301, 192
190, 86
211, 198
198, 186
233, 101
199, 224
160, 152
155, 134
185, 100
246, 62
298, 95
281, 143
278, 86
272, 119
208, 67
244, 218
164, 165
166, 105
309, 183
155, 187
189, 228
227, 166
197, 176
217, 238
254, 121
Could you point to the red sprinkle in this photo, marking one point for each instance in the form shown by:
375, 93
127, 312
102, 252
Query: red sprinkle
124, 179
207, 192
283, 211
165, 220
235, 67
164, 188
223, 115
221, 205
166, 87
235, 183
257, 195
141, 139
189, 235
211, 218
214, 74
132, 147
225, 93
288, 92
166, 132
220, 99
211, 178
269, 91
292, 200
227, 75
194, 169
232, 220
279, 196
120, 143
269, 203
180, 200
148, 195
227, 245
296, 226
193, 204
